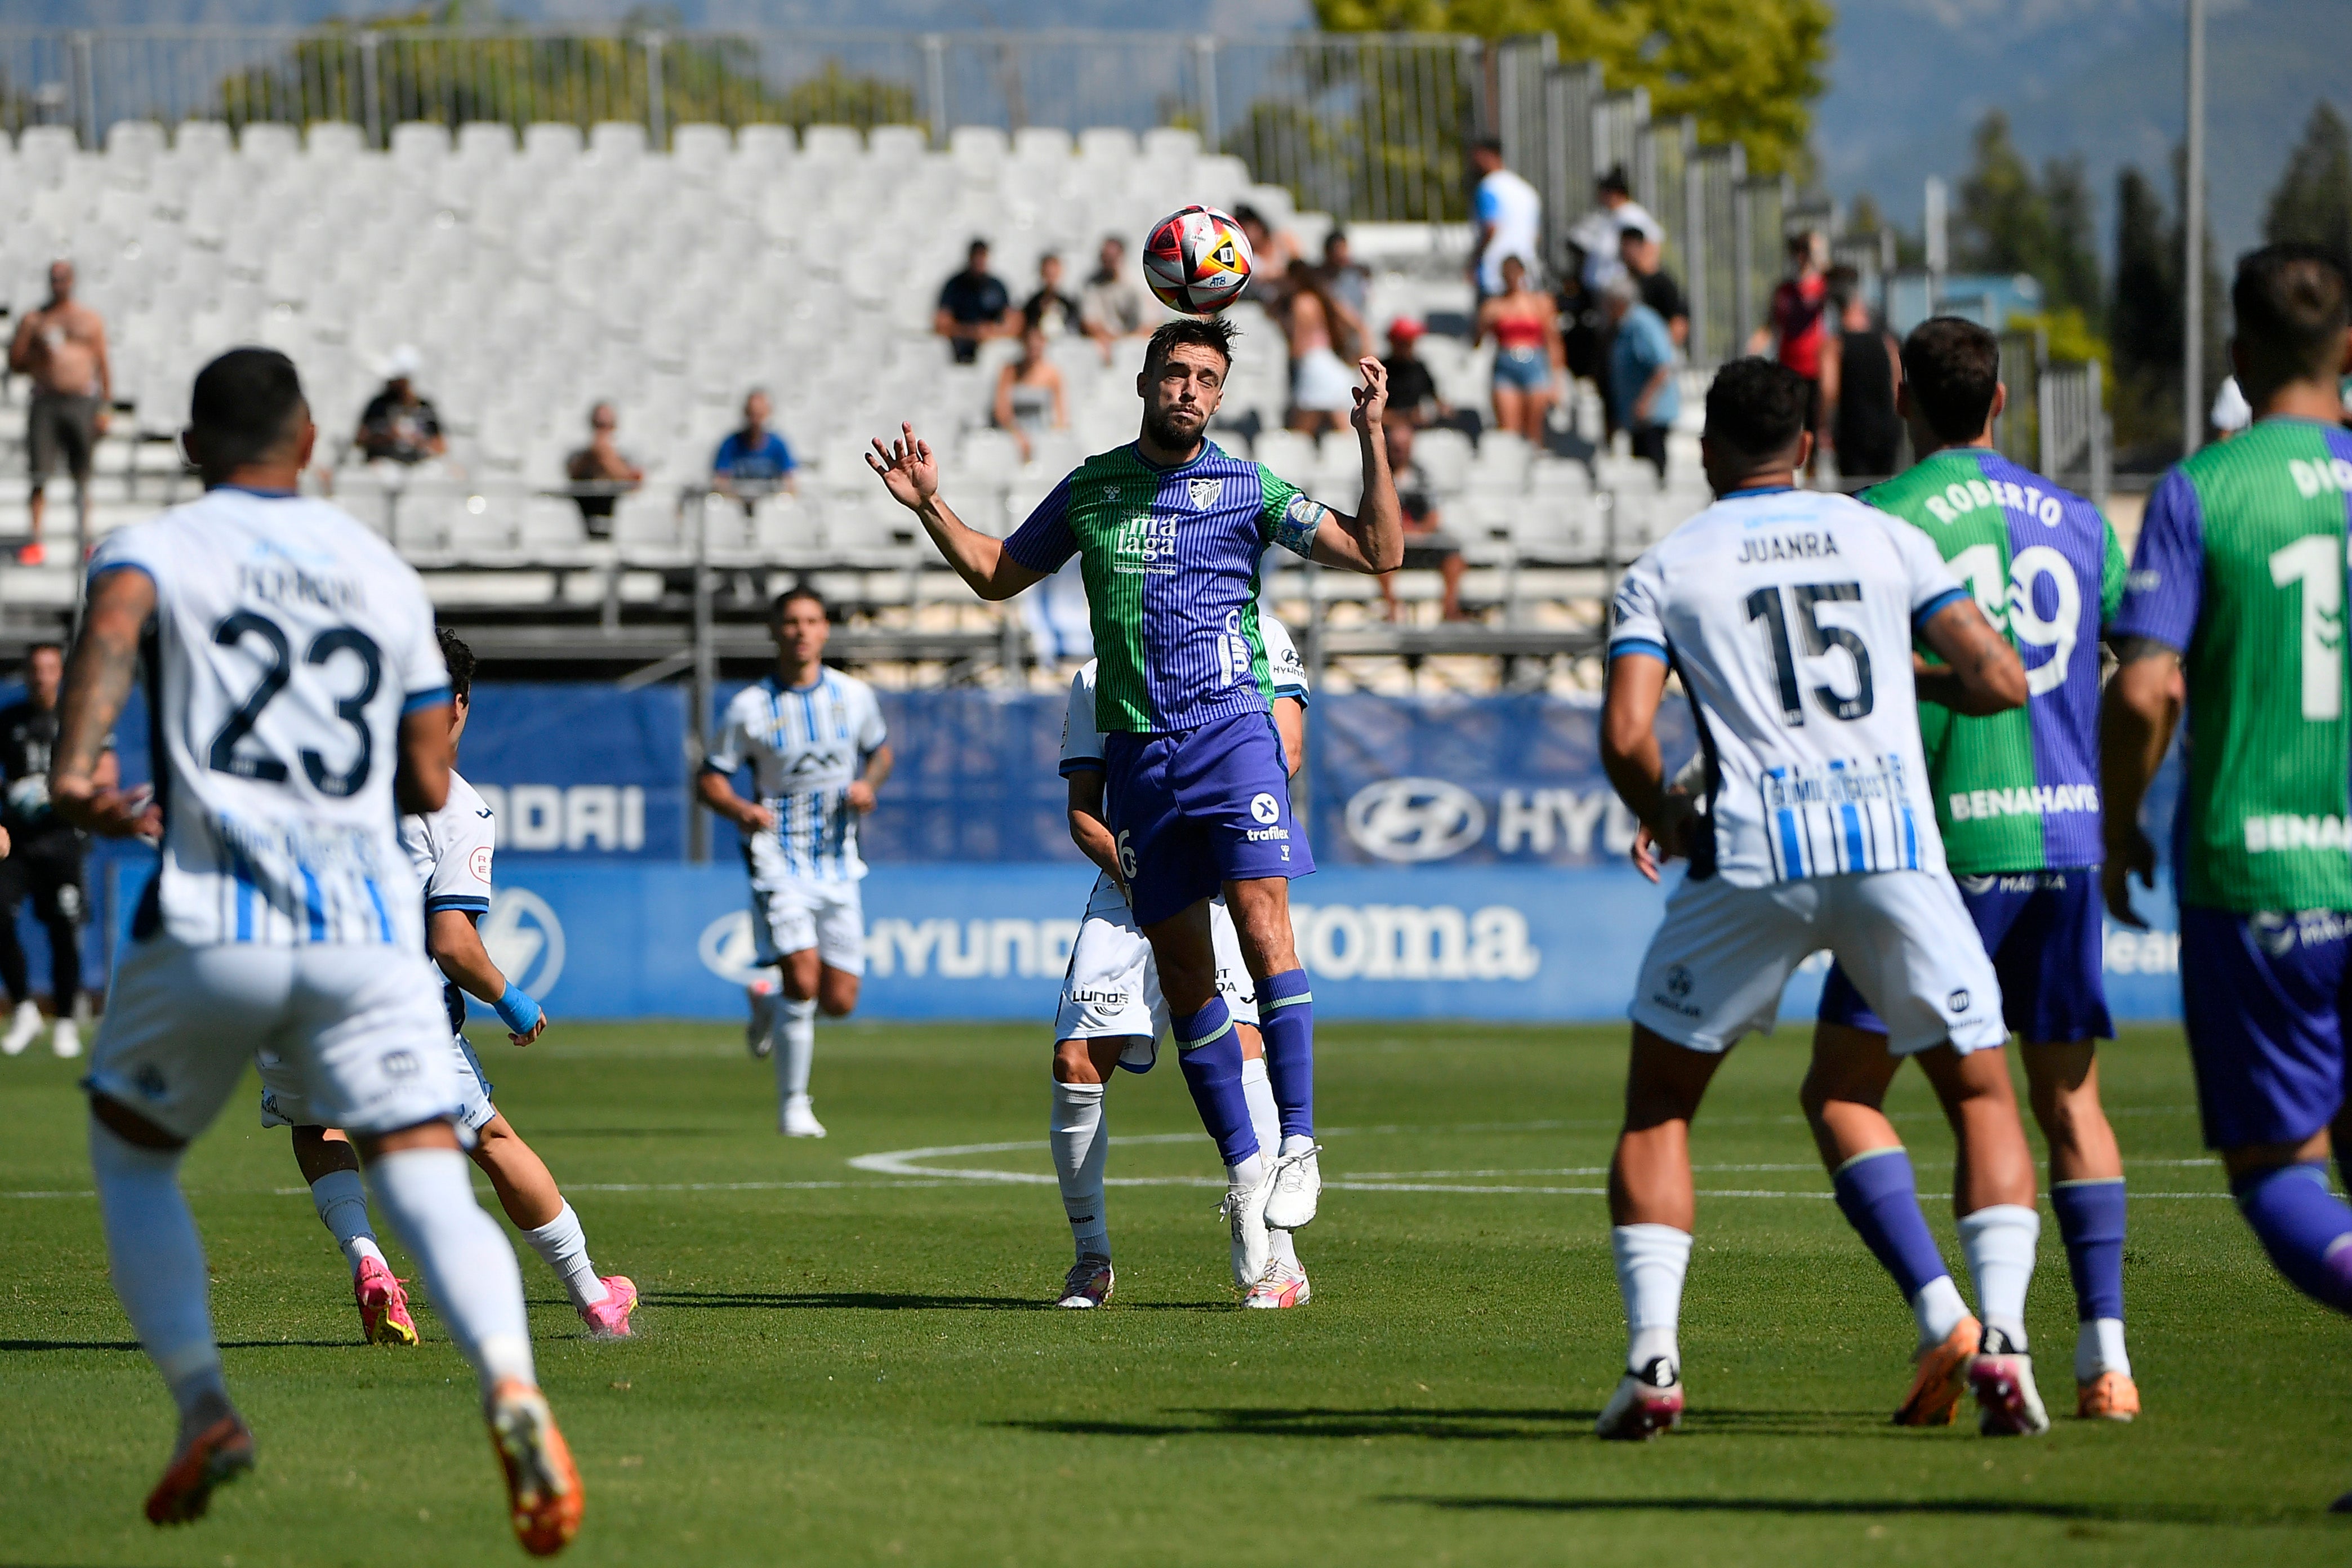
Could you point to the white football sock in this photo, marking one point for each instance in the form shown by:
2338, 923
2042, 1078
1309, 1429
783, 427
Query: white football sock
795, 1045
1938, 1309
1651, 1262
157, 1261
2099, 1347
563, 1246
1999, 1240
428, 1196
1265, 1121
1080, 1147
1248, 1173
340, 1198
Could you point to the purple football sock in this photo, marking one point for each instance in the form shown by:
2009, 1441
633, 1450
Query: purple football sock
2091, 1223
2305, 1227
1880, 1198
1285, 1009
1210, 1052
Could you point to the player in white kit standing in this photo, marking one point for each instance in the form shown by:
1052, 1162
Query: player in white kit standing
1790, 617
297, 690
807, 732
1112, 1012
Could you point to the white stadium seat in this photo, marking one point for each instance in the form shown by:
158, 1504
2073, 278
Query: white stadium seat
328, 139
550, 144
832, 144
897, 144
419, 143
485, 143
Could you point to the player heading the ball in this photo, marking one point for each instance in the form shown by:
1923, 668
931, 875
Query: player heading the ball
1168, 531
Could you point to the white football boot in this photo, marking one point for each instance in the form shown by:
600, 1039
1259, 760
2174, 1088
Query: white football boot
797, 1120
1244, 1210
760, 1029
22, 1030
1284, 1284
2001, 1376
1646, 1403
66, 1039
1298, 1183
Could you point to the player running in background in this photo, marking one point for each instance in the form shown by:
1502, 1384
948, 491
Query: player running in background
2238, 585
450, 850
807, 732
1790, 617
1169, 530
297, 691
2017, 803
1112, 1012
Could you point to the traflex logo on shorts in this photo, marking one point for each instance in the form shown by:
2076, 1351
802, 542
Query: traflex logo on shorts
525, 940
1264, 808
1267, 810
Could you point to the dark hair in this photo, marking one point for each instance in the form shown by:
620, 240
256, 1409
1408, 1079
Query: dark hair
803, 589
2290, 304
1336, 237
1208, 332
1614, 182
460, 660
1953, 367
1755, 408
1488, 144
976, 246
1248, 214
243, 408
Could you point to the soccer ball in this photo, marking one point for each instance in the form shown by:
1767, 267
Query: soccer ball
1197, 260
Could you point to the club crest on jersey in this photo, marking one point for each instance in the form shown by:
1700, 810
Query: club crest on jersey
1205, 493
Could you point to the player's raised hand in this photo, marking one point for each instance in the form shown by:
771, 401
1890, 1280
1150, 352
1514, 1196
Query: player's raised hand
1372, 397
859, 797
908, 468
2129, 853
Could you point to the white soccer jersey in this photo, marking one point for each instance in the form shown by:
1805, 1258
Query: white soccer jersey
1789, 615
290, 640
805, 745
1082, 745
451, 851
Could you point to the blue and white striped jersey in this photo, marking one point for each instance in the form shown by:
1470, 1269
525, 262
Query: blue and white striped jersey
804, 744
1789, 615
288, 640
450, 850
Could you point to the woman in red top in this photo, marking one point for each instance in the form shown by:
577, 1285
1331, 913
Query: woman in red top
1529, 352
1797, 329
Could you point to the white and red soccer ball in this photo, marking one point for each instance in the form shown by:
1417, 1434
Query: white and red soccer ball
1197, 260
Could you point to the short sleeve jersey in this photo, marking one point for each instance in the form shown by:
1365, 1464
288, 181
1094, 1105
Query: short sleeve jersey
288, 642
2240, 567
766, 460
451, 851
2017, 791
1082, 746
1171, 561
804, 744
1789, 615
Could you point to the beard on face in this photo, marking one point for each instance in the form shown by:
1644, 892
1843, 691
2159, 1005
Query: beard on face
1171, 428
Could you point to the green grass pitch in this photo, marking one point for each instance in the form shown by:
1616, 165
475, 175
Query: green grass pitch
841, 1364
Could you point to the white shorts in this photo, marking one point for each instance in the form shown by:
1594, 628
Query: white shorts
284, 1103
1112, 988
796, 913
1322, 383
1715, 967
363, 1026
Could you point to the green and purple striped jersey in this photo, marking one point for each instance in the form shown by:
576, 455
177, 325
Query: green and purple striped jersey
2017, 791
2241, 567
1170, 559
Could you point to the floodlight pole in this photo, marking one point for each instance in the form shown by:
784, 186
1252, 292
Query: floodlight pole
2192, 263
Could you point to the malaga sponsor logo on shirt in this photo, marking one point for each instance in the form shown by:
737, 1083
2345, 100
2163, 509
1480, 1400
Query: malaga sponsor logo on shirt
2036, 800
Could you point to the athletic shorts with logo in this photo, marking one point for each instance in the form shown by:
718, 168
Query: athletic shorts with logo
284, 1102
1112, 988
2264, 996
1197, 808
1716, 966
361, 1025
793, 914
2048, 945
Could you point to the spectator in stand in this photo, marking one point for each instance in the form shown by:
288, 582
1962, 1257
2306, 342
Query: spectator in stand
1052, 306
1598, 234
1644, 261
1413, 389
753, 461
1343, 278
1508, 218
1528, 354
399, 425
1641, 372
600, 474
1858, 384
1426, 543
1273, 256
1113, 305
62, 347
1029, 396
1324, 336
1797, 327
974, 306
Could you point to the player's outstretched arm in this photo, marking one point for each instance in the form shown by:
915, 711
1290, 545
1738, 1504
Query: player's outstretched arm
98, 682
456, 947
910, 472
1372, 541
1981, 673
2136, 715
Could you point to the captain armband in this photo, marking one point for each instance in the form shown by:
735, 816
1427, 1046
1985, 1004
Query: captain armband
1295, 529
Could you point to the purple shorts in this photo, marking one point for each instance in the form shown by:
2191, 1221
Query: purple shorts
1198, 808
2263, 995
2044, 932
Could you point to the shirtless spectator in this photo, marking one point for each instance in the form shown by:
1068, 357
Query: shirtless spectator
62, 346
1324, 336
1426, 544
1273, 256
399, 425
1346, 279
600, 473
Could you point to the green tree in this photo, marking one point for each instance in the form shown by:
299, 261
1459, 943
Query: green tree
2148, 325
1747, 71
2009, 221
2313, 203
